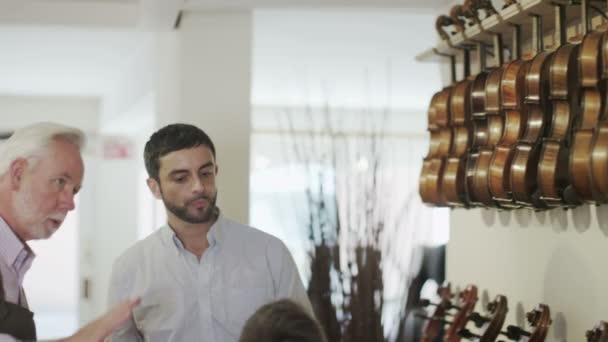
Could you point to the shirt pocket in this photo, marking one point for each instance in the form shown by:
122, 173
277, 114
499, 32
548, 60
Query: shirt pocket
159, 314
241, 303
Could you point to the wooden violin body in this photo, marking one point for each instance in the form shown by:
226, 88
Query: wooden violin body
434, 326
553, 163
540, 320
513, 114
466, 302
497, 309
524, 167
599, 333
580, 161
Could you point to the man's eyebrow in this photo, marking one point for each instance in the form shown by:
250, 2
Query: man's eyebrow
178, 171
206, 165
66, 175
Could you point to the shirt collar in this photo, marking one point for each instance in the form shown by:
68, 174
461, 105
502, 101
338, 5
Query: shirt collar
216, 233
14, 252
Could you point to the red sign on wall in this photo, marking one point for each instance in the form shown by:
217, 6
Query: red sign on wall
116, 147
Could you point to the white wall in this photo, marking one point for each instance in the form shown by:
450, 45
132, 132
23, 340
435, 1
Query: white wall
113, 230
556, 257
18, 111
167, 81
345, 57
399, 121
135, 81
215, 73
127, 115
116, 197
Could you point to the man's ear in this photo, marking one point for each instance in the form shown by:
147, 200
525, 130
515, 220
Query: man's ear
216, 169
15, 171
154, 187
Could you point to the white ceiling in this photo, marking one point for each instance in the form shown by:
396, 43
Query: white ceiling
63, 60
161, 14
210, 4
67, 47
348, 58
80, 47
84, 13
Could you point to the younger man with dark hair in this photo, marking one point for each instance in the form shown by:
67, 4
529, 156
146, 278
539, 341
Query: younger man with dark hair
202, 275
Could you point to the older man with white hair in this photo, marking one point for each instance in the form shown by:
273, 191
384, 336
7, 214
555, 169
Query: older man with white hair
41, 170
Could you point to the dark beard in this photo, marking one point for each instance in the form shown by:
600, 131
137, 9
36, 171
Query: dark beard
182, 213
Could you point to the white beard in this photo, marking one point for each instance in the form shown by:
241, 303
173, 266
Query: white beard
26, 212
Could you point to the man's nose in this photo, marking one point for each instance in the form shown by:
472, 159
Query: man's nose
198, 185
67, 200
